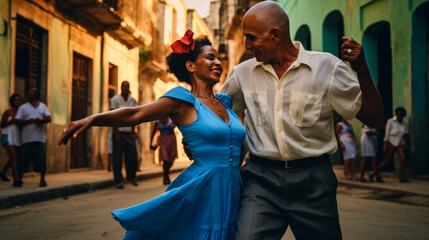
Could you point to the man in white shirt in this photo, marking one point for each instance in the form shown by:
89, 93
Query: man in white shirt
290, 95
124, 140
32, 117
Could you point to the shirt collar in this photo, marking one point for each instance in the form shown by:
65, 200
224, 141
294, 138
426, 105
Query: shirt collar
301, 59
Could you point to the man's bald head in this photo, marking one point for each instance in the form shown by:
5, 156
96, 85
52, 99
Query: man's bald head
268, 14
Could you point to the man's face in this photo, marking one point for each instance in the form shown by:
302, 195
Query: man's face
32, 94
125, 88
257, 40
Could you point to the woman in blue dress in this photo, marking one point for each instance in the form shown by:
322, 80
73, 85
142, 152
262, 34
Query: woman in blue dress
202, 202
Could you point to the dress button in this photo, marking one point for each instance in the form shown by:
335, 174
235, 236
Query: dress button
230, 160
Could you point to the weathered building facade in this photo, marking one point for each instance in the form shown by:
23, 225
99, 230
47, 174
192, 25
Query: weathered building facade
77, 52
170, 22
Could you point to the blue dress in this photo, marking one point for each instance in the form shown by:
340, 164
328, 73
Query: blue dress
203, 201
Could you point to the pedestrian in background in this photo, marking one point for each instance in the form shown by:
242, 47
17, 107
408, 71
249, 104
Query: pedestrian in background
11, 139
395, 141
368, 146
32, 117
124, 140
167, 145
348, 143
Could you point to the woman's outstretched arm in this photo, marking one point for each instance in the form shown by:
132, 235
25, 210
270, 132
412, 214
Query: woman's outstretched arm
123, 117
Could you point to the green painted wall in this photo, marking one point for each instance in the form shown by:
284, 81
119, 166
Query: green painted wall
359, 15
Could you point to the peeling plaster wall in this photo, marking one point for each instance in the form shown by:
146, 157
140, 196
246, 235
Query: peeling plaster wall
65, 38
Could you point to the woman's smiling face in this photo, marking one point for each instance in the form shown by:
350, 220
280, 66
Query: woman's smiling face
207, 65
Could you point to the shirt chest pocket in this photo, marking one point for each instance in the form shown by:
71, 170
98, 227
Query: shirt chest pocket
305, 108
257, 105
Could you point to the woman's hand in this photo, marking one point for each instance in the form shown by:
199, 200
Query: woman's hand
74, 129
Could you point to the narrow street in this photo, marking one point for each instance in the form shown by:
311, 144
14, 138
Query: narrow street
87, 216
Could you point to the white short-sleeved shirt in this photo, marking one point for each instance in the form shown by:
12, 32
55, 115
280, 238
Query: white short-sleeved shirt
118, 101
292, 117
33, 132
13, 133
395, 132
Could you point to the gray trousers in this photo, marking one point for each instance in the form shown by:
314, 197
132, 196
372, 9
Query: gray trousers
275, 197
126, 146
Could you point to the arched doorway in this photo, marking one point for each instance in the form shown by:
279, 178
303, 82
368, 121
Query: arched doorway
420, 88
303, 35
378, 52
333, 30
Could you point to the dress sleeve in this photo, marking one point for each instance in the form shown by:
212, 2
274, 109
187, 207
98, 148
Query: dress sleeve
180, 93
345, 95
233, 89
225, 99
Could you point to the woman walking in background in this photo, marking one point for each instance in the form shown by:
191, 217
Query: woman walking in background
348, 144
368, 145
395, 141
167, 145
10, 139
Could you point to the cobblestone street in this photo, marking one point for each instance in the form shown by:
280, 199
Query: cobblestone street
87, 216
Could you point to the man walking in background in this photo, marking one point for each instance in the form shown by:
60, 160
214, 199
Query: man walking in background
32, 117
124, 140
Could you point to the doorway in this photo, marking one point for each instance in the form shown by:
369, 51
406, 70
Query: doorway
420, 88
80, 106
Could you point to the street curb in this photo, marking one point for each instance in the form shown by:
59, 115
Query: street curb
378, 188
65, 191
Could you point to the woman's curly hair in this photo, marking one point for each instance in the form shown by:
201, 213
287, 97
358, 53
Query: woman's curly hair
402, 111
177, 61
12, 98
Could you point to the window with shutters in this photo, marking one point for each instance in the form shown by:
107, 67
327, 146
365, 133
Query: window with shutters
30, 57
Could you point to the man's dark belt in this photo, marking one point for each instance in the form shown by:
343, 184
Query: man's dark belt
298, 163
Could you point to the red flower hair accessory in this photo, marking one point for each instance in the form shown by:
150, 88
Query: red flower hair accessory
185, 44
